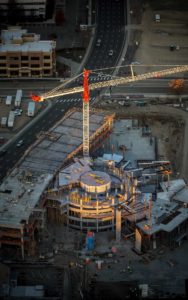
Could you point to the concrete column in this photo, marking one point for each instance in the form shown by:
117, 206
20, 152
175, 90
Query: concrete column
68, 213
138, 241
118, 224
114, 213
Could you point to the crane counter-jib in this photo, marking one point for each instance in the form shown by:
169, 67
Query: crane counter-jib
113, 82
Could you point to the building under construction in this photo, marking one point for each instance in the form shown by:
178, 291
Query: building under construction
22, 194
52, 182
87, 197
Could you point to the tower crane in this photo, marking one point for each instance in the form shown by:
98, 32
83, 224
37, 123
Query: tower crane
61, 91
86, 114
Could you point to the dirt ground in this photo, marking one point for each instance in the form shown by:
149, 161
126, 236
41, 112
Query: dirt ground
155, 38
167, 125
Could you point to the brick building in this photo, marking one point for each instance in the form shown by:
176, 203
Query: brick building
23, 54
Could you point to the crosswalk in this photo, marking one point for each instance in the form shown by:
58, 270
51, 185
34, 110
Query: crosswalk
92, 79
92, 99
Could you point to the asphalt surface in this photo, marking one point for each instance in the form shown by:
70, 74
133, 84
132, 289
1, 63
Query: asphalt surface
110, 30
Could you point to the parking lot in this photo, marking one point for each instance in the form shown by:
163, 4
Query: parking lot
21, 117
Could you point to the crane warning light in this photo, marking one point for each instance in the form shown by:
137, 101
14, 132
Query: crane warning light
86, 86
36, 98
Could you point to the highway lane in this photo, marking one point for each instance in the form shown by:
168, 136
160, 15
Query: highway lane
110, 30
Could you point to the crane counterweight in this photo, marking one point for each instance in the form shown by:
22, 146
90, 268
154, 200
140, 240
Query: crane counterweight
37, 98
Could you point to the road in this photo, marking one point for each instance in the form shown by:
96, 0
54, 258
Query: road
110, 30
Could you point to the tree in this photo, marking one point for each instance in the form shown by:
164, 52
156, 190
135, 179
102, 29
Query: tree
177, 85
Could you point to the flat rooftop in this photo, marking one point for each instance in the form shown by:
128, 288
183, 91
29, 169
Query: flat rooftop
43, 46
52, 150
19, 195
166, 214
14, 40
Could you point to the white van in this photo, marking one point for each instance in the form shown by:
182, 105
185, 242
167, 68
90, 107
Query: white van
157, 18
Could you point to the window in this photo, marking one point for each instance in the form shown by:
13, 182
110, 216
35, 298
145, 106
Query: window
24, 57
35, 72
46, 64
14, 73
25, 74
46, 56
35, 65
13, 58
25, 65
47, 72
3, 71
3, 57
2, 65
34, 58
14, 66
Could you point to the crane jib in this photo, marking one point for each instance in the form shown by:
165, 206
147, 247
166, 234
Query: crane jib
60, 91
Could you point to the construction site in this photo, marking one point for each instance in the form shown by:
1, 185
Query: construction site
124, 191
24, 190
97, 207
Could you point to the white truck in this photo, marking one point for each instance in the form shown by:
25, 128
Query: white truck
3, 121
157, 18
18, 98
8, 100
11, 118
31, 109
